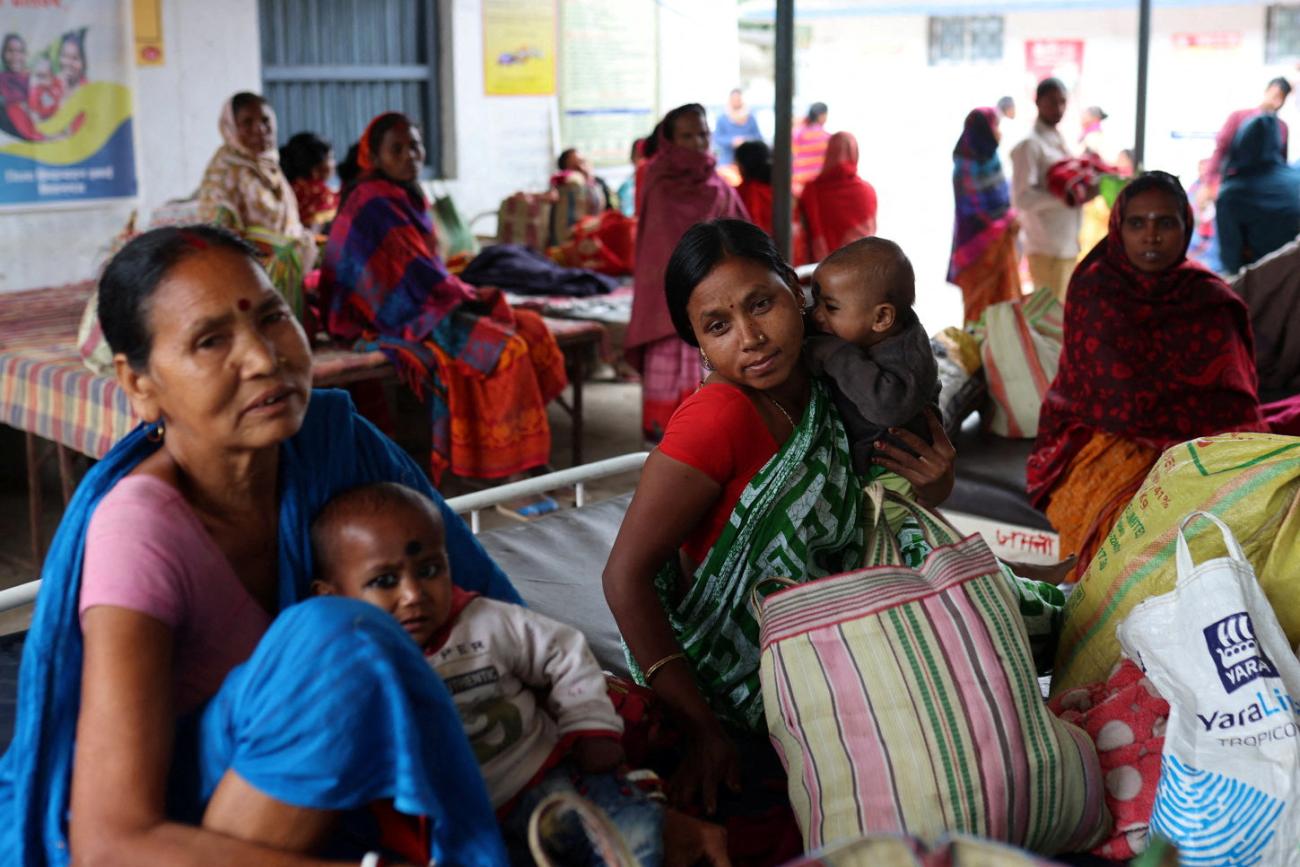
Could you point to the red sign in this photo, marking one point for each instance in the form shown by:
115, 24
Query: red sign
1059, 58
1221, 40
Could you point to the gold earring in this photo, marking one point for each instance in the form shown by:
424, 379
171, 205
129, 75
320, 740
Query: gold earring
705, 358
156, 435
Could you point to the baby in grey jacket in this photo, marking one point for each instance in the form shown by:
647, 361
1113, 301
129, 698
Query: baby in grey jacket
871, 346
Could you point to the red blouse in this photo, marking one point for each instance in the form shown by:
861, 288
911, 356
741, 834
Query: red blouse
718, 431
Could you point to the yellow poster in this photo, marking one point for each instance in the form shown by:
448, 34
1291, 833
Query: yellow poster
519, 47
148, 32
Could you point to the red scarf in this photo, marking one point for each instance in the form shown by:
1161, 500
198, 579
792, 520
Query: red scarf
682, 188
1155, 358
314, 198
838, 206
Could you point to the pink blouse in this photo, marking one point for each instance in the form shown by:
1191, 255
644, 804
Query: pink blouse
147, 551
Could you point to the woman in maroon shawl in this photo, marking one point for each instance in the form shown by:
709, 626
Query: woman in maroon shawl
838, 206
681, 189
1158, 350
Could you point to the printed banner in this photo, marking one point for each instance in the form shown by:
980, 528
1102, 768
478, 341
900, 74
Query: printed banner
518, 47
65, 129
608, 69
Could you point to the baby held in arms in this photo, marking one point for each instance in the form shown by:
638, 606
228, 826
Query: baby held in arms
871, 346
530, 694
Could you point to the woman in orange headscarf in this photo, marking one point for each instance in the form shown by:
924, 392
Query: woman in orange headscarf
485, 370
838, 207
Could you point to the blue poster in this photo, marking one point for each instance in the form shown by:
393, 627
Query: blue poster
66, 127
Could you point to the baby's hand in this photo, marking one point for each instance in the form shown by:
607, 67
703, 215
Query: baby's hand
597, 755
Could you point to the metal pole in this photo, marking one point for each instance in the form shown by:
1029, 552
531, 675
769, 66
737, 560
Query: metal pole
782, 198
1144, 59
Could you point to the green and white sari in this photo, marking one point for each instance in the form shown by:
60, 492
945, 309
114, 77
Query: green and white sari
800, 517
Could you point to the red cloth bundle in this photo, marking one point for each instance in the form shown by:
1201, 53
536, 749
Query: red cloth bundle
1126, 720
1078, 179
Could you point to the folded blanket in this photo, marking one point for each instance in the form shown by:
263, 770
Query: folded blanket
525, 271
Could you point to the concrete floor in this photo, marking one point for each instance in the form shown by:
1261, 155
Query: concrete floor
612, 416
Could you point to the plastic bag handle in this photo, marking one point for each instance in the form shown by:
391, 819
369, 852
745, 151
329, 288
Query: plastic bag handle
1184, 553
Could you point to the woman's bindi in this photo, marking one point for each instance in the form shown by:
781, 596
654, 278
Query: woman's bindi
245, 305
413, 548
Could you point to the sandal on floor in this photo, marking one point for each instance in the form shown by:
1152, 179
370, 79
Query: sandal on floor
543, 506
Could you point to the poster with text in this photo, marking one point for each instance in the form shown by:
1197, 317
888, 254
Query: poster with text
65, 130
518, 47
608, 70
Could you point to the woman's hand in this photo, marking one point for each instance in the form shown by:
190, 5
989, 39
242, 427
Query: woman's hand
710, 761
932, 470
597, 755
690, 842
124, 749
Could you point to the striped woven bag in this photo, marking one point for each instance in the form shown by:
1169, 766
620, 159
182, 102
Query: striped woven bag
1021, 349
905, 700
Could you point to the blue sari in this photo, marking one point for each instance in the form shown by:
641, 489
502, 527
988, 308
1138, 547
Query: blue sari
427, 770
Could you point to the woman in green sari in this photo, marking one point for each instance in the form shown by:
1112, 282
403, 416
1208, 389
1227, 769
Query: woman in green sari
753, 480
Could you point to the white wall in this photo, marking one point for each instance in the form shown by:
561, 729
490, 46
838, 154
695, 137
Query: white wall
699, 52
502, 143
211, 52
509, 143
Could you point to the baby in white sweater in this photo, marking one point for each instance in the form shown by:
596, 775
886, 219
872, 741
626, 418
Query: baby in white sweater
530, 694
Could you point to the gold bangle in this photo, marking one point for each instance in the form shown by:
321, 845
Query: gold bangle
654, 669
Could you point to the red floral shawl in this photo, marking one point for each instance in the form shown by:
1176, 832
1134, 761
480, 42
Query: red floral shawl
1155, 358
682, 188
838, 206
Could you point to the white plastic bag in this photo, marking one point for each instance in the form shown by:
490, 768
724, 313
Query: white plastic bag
1229, 791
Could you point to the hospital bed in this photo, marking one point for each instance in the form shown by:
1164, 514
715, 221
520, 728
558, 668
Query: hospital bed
556, 561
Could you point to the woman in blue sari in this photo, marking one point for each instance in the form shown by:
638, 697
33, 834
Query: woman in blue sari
261, 739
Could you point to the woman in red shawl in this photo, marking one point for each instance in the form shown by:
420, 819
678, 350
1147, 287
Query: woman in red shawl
485, 370
838, 206
754, 160
1158, 350
681, 188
